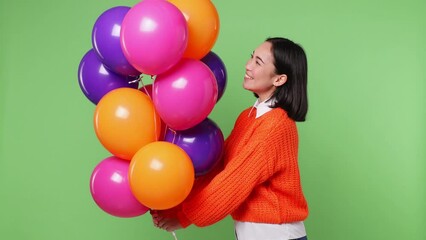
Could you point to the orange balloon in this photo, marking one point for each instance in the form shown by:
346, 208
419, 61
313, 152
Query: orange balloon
125, 120
161, 175
203, 26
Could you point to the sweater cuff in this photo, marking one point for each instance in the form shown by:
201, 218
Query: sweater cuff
183, 220
172, 212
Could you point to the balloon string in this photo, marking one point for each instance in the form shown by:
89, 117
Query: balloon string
145, 89
155, 126
165, 131
135, 80
150, 97
174, 134
155, 112
174, 235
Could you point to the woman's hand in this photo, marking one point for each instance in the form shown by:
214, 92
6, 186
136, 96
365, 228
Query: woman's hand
166, 223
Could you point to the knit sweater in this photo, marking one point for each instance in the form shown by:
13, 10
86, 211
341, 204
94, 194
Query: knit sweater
259, 179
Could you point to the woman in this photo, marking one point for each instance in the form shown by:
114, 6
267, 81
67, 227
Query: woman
258, 183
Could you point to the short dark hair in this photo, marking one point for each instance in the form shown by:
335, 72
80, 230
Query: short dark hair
290, 59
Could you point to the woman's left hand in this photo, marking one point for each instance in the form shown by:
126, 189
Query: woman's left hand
168, 224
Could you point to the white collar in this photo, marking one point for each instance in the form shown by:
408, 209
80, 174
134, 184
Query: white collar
263, 107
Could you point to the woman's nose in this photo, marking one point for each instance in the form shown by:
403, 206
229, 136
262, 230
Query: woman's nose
249, 65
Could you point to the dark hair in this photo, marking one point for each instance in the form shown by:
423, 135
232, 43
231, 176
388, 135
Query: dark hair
290, 59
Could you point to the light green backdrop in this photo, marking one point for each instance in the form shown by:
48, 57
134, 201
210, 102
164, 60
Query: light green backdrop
362, 148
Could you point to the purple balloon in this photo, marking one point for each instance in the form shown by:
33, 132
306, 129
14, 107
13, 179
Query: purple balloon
111, 191
216, 65
106, 41
96, 81
203, 143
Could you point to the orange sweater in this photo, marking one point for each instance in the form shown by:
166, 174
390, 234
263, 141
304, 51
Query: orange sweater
259, 181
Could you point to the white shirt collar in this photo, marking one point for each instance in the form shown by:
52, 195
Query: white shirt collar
263, 107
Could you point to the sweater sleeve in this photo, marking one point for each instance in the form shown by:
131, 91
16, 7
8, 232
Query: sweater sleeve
199, 183
230, 187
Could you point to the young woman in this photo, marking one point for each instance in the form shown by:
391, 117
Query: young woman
258, 183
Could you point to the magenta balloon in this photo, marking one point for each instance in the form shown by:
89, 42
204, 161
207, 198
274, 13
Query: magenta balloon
154, 36
110, 188
185, 95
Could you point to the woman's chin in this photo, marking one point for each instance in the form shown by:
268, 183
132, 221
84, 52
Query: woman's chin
246, 85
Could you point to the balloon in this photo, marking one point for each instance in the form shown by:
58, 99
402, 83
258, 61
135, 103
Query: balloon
203, 26
185, 95
154, 36
125, 120
203, 143
161, 175
95, 80
106, 41
213, 61
110, 189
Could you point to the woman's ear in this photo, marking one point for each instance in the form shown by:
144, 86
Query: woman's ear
280, 80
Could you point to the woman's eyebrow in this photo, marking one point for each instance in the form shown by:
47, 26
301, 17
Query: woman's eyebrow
257, 57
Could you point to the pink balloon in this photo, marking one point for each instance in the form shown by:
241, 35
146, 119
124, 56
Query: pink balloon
110, 188
185, 95
154, 36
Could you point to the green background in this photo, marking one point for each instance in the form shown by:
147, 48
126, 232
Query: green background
362, 148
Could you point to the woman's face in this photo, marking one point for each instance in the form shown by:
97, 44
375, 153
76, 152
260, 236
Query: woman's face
260, 72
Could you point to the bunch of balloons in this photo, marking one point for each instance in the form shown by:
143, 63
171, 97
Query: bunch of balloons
159, 134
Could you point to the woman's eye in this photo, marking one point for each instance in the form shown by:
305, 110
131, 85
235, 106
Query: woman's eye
257, 61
